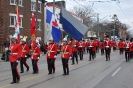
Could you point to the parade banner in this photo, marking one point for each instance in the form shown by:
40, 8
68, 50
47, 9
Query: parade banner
33, 26
17, 32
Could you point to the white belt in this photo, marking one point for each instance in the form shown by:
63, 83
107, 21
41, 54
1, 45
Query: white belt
66, 53
51, 51
34, 53
90, 46
127, 47
14, 53
80, 46
107, 46
24, 50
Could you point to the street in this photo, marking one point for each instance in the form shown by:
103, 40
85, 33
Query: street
98, 73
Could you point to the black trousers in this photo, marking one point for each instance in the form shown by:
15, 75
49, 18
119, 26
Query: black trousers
51, 65
15, 73
97, 49
121, 50
131, 54
35, 66
23, 62
127, 56
102, 51
65, 66
75, 55
107, 51
87, 49
114, 48
81, 55
92, 53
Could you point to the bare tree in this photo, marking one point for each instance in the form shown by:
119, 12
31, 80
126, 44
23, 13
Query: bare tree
86, 13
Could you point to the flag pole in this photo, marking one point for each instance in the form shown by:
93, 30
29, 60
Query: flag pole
54, 7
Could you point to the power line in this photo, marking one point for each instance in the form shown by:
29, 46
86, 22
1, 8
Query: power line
123, 12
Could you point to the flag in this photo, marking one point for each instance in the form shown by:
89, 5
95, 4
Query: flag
72, 26
54, 26
33, 25
17, 24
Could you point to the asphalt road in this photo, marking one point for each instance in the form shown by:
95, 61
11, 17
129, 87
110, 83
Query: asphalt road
98, 73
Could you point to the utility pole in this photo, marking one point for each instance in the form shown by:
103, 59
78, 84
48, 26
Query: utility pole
98, 25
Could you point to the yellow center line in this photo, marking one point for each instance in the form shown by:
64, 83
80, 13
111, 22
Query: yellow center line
37, 76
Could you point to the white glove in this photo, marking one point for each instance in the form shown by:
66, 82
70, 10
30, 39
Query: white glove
38, 58
74, 45
25, 55
17, 61
55, 56
31, 57
70, 57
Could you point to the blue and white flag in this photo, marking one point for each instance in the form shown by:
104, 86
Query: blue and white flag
54, 26
71, 25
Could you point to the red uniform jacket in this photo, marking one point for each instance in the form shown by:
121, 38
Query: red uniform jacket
102, 46
107, 43
66, 51
15, 52
36, 53
93, 44
82, 45
97, 43
127, 46
25, 49
74, 44
113, 43
51, 51
121, 44
131, 46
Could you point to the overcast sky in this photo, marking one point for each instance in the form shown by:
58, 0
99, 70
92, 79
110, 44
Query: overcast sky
122, 8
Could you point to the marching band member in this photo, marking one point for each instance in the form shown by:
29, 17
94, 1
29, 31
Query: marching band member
66, 53
51, 55
114, 45
81, 49
97, 45
15, 51
107, 45
35, 55
127, 46
121, 46
102, 47
25, 50
74, 45
91, 46
131, 49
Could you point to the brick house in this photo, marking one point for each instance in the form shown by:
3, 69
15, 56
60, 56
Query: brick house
8, 14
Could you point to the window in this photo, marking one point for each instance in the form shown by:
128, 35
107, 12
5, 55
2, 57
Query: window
12, 20
33, 6
20, 24
39, 6
20, 2
12, 2
39, 24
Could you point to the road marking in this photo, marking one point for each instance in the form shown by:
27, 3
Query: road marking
116, 71
30, 78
